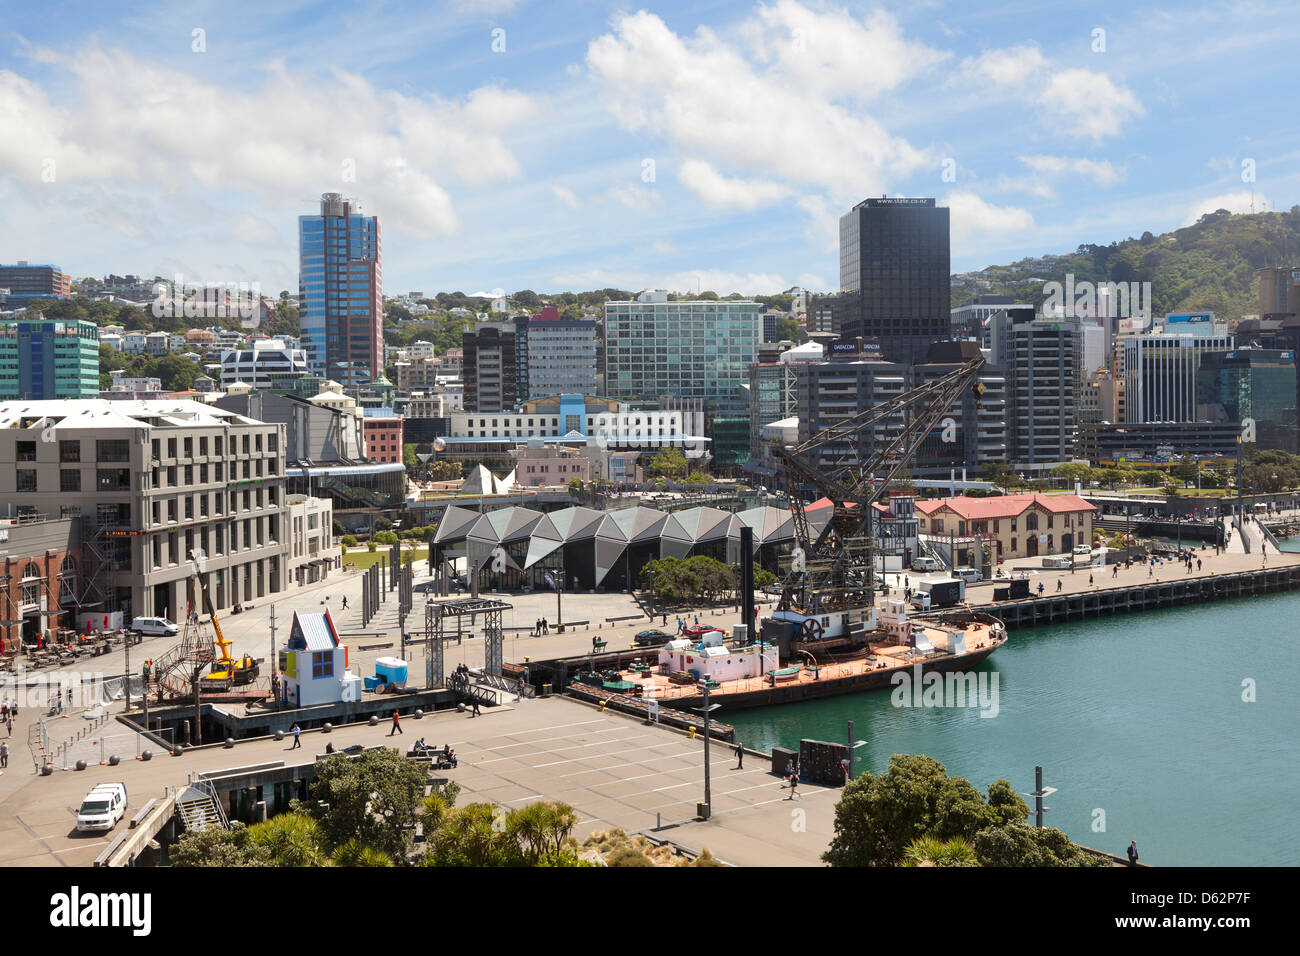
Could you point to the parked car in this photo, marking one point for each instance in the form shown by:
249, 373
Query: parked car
969, 575
155, 627
652, 637
1082, 549
925, 564
102, 808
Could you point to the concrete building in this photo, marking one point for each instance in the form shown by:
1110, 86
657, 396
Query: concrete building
539, 464
1160, 374
556, 356
1040, 361
341, 291
975, 428
688, 348
489, 370
45, 359
1279, 290
151, 482
41, 578
831, 392
311, 524
24, 282
418, 374
255, 366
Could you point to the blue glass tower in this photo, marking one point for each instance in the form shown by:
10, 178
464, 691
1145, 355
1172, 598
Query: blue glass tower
340, 289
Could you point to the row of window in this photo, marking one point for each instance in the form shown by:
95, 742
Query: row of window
244, 536
240, 444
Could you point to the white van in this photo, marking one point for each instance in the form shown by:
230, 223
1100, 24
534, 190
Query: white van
969, 575
102, 808
155, 627
1058, 562
925, 564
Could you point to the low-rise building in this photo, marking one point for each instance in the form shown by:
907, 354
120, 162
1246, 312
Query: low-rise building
1017, 526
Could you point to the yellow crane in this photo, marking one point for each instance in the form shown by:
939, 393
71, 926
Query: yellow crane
225, 667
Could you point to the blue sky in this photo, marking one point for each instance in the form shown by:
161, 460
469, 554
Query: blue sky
572, 145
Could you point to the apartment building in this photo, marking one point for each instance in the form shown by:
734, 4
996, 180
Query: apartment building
153, 482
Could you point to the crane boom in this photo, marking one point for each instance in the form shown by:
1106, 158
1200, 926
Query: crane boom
852, 463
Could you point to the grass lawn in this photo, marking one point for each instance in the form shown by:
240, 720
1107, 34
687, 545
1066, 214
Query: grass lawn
363, 559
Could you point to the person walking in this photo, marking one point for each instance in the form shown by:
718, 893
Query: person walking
9, 724
1198, 564
473, 707
345, 602
1133, 853
794, 785
397, 724
740, 755
4, 755
297, 737
1058, 585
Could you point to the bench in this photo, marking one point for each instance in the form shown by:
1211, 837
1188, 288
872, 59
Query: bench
597, 644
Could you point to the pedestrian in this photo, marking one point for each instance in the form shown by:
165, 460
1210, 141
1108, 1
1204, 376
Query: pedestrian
345, 602
1133, 853
1058, 585
1114, 572
297, 737
1089, 580
537, 627
794, 784
473, 707
1198, 564
9, 724
740, 755
397, 724
4, 754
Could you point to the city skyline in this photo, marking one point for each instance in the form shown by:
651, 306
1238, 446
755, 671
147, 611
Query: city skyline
576, 146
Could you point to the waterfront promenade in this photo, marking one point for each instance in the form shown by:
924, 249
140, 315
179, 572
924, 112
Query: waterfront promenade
614, 770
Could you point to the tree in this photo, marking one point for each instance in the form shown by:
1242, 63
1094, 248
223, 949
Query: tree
349, 541
879, 816
669, 463
1020, 845
408, 457
931, 851
373, 797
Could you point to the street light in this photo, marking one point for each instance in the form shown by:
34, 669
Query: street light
706, 808
853, 747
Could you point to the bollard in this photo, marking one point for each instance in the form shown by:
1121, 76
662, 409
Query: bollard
279, 735
146, 755
418, 713
81, 765
113, 760
692, 733
374, 720
326, 728
230, 742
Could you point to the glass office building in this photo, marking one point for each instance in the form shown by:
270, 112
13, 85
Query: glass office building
1251, 385
894, 270
43, 359
340, 288
689, 349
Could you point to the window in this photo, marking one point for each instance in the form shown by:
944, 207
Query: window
156, 447
203, 446
189, 448
322, 664
26, 450
112, 479
26, 479
171, 448
69, 479
69, 451
1013, 544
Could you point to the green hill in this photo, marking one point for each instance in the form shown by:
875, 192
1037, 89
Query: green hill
1207, 266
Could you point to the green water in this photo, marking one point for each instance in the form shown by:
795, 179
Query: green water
1140, 716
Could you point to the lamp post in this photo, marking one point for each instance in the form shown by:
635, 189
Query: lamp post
706, 808
853, 748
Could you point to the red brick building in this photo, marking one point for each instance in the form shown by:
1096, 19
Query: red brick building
383, 434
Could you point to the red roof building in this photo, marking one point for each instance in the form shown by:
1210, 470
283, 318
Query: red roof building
1021, 525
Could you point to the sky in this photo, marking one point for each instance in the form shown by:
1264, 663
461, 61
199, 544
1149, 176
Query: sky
579, 144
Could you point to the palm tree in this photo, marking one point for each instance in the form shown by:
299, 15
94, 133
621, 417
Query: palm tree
560, 821
529, 825
356, 853
291, 839
931, 851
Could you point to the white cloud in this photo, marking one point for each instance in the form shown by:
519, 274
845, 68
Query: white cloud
1240, 201
566, 195
1101, 171
972, 216
1090, 103
637, 197
1005, 67
663, 247
805, 76
256, 230
722, 192
122, 122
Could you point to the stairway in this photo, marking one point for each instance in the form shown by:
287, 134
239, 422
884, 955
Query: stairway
199, 809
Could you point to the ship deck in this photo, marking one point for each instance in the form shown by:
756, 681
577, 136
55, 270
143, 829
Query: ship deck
888, 657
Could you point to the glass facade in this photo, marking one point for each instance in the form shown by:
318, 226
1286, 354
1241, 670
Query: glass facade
691, 349
1251, 385
48, 359
340, 289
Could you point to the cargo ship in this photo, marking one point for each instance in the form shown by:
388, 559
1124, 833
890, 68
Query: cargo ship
855, 650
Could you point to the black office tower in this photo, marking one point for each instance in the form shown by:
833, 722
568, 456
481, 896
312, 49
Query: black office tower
894, 262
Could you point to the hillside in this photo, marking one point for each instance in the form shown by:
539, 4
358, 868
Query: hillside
1209, 265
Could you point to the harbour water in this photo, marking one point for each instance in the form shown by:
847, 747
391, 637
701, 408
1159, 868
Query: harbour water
1138, 720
